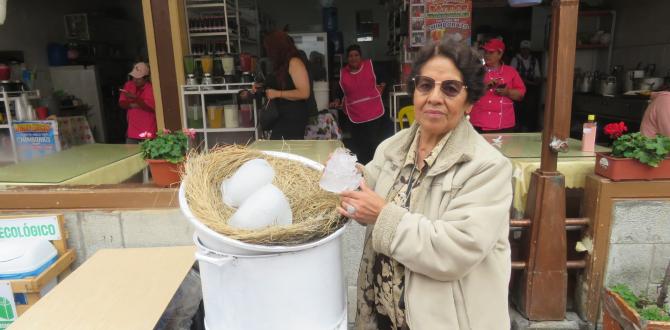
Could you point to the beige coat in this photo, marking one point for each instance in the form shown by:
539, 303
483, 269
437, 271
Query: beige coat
454, 240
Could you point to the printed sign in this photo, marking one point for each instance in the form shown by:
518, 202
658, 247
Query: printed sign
30, 228
36, 138
7, 305
432, 19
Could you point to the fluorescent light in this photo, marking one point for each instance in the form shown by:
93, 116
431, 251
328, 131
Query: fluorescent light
368, 38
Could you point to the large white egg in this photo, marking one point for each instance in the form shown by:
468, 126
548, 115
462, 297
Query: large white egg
266, 207
249, 178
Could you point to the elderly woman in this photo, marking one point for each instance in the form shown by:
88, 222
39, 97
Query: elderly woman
494, 112
436, 200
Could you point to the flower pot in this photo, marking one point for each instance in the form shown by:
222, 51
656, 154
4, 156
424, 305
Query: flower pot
164, 173
618, 315
618, 169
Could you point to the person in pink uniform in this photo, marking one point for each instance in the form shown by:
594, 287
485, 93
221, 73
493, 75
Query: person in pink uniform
137, 97
656, 118
494, 112
362, 103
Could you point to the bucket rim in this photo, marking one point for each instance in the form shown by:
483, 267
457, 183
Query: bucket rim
201, 227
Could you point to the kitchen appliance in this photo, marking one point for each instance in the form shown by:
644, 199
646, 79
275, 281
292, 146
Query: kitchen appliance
631, 81
608, 86
651, 83
585, 82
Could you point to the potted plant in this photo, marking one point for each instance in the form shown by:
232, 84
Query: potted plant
626, 310
634, 156
165, 152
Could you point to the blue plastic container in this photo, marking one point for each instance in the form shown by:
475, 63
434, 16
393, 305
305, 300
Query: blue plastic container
56, 54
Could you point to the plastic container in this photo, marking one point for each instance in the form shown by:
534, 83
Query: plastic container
248, 286
194, 117
246, 119
232, 116
589, 134
25, 258
215, 116
321, 94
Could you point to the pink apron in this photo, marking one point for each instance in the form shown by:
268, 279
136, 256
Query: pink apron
362, 102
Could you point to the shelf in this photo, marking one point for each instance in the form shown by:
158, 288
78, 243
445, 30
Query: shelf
4, 126
595, 13
30, 95
224, 130
217, 88
595, 46
209, 34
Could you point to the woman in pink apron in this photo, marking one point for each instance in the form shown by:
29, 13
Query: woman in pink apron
494, 112
362, 103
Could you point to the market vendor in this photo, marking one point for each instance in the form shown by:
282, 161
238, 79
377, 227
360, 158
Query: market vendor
494, 112
137, 96
362, 103
438, 195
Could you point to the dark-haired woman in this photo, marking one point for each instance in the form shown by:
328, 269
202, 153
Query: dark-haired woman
436, 198
362, 103
288, 86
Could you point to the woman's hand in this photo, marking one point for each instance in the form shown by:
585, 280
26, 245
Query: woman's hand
272, 94
502, 91
365, 205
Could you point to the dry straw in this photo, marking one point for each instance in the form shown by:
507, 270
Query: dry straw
314, 210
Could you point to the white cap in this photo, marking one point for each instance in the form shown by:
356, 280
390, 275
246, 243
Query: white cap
525, 44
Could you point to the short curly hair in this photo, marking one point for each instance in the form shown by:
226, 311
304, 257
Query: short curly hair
467, 61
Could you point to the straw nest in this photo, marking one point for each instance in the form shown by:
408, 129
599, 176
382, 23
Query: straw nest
314, 210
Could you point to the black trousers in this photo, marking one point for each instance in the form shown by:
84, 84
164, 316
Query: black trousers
365, 138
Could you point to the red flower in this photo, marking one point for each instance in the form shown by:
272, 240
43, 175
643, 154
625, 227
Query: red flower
615, 130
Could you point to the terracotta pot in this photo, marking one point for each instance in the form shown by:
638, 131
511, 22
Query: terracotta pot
164, 173
618, 313
618, 169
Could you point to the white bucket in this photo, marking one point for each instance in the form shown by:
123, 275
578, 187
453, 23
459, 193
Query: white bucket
321, 94
249, 286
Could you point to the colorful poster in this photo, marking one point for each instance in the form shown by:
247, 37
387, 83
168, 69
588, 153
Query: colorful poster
436, 18
36, 138
450, 17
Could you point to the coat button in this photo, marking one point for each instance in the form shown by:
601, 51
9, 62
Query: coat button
500, 101
489, 101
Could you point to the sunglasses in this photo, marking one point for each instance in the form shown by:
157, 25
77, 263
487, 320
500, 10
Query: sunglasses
450, 88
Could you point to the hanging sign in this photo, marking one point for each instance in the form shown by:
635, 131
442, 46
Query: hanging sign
7, 305
433, 19
46, 228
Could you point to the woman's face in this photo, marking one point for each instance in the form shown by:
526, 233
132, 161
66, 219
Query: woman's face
354, 59
436, 112
492, 58
139, 82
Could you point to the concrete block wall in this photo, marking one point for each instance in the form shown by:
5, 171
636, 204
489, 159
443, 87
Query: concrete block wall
639, 245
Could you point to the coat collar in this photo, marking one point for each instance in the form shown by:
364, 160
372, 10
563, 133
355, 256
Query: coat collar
459, 148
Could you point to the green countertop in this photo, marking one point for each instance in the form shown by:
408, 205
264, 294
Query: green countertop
67, 164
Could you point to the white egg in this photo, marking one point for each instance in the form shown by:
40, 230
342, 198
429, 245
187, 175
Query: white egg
266, 207
249, 178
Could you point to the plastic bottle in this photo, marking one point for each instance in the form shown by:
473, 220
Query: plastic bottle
589, 134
